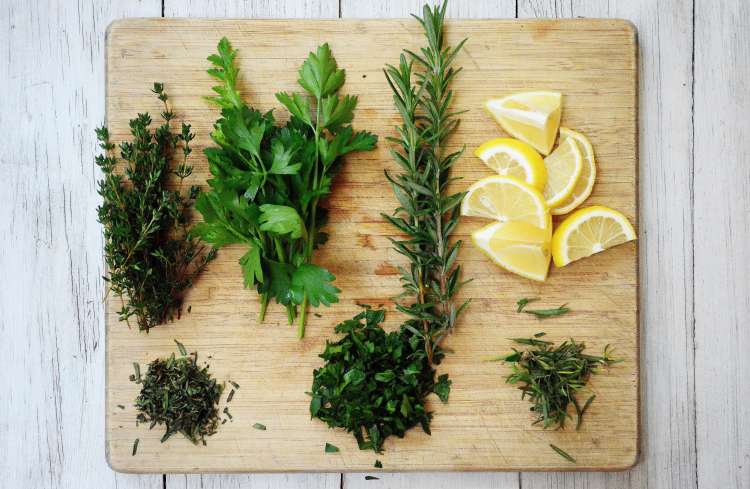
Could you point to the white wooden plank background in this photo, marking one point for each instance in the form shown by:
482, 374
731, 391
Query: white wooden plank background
695, 226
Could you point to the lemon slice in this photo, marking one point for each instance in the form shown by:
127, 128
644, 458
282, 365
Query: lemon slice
506, 199
585, 184
588, 231
532, 117
518, 247
564, 167
511, 157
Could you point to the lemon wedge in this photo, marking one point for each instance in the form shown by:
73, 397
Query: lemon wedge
532, 117
506, 199
588, 231
585, 184
564, 167
518, 247
511, 157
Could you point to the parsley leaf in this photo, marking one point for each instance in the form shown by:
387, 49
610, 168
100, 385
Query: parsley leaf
320, 75
315, 283
281, 219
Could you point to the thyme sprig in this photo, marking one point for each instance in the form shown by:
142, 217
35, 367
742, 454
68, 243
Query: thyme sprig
150, 258
427, 213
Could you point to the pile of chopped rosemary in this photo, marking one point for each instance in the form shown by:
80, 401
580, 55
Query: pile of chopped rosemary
150, 257
552, 376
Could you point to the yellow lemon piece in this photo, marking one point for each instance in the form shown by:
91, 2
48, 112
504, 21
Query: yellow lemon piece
564, 167
511, 157
506, 199
587, 231
585, 184
518, 247
532, 117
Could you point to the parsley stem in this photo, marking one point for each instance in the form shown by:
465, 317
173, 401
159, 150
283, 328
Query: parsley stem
263, 306
302, 319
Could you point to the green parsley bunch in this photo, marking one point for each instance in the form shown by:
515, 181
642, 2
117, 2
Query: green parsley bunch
268, 179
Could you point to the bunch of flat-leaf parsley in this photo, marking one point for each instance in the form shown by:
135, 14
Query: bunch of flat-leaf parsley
268, 180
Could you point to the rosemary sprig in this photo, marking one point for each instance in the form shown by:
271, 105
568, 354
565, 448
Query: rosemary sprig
150, 258
427, 214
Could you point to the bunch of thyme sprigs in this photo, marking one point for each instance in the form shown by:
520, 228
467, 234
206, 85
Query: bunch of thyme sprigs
552, 376
427, 214
150, 257
179, 394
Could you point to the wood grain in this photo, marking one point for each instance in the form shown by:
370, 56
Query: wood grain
485, 426
722, 255
668, 457
52, 321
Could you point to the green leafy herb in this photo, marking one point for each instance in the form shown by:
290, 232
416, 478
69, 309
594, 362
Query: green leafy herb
150, 257
371, 478
135, 446
230, 396
269, 179
373, 383
427, 214
259, 426
562, 453
378, 464
179, 394
331, 448
121, 406
524, 302
547, 313
551, 377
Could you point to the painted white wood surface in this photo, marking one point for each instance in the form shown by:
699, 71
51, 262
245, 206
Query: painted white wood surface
695, 223
722, 248
51, 310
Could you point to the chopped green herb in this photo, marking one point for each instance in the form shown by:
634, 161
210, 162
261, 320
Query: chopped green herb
548, 313
229, 415
331, 448
373, 383
181, 348
562, 453
137, 377
121, 406
580, 411
230, 396
371, 478
523, 302
234, 384
378, 464
551, 377
179, 394
135, 446
259, 426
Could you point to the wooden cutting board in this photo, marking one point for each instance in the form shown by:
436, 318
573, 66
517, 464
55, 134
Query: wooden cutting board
485, 426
